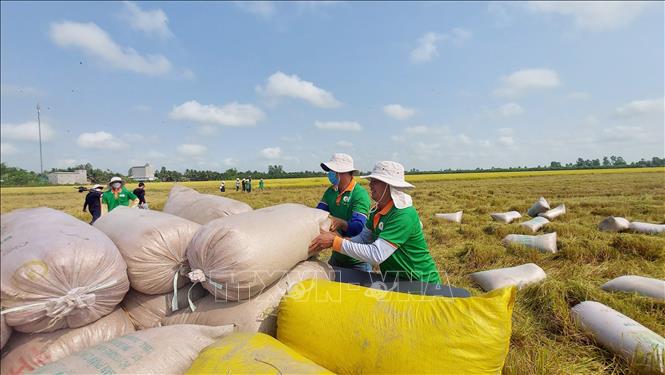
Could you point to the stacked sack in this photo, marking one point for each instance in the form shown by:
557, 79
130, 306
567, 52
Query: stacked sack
201, 208
56, 282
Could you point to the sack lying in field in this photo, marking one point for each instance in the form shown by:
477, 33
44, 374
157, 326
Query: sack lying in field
350, 329
535, 224
539, 207
454, 217
258, 314
153, 244
201, 208
544, 242
26, 352
519, 276
57, 271
637, 284
649, 228
5, 332
252, 353
614, 224
149, 311
163, 350
506, 217
620, 334
238, 256
554, 213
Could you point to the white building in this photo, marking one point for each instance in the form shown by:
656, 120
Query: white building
62, 178
142, 173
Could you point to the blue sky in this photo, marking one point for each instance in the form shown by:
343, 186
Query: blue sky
433, 85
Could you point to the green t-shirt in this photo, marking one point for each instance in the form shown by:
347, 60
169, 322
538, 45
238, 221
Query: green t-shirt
352, 200
124, 196
412, 259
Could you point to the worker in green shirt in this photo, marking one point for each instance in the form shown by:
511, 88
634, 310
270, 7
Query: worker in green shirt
393, 237
261, 185
117, 195
348, 204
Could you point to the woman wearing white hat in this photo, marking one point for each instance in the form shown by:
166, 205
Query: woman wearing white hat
117, 195
348, 203
393, 237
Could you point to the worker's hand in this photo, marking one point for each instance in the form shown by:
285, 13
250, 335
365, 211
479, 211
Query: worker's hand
338, 224
322, 241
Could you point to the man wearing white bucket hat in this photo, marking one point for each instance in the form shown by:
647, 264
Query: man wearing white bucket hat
348, 204
117, 195
93, 202
393, 237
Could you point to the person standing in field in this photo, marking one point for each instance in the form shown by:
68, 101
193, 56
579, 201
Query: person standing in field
244, 184
117, 195
261, 185
249, 184
393, 237
140, 194
222, 187
348, 204
237, 184
93, 202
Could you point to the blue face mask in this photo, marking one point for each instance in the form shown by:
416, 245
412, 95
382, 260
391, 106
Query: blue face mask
332, 177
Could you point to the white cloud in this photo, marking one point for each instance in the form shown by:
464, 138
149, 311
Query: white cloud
229, 162
506, 141
592, 15
100, 140
97, 43
271, 153
622, 133
427, 48
232, 114
590, 120
152, 154
192, 149
260, 8
151, 22
511, 109
398, 112
417, 129
8, 149
338, 125
579, 95
345, 144
142, 108
526, 80
506, 131
207, 130
187, 74
291, 86
26, 131
642, 107
7, 89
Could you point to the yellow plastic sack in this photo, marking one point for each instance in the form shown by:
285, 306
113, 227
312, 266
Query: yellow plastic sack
252, 353
350, 329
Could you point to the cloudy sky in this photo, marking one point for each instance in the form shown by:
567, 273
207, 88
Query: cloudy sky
432, 85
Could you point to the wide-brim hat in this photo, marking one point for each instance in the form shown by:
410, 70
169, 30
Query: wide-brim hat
390, 172
340, 163
115, 179
98, 186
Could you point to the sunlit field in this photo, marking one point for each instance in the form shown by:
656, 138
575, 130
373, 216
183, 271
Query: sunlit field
544, 339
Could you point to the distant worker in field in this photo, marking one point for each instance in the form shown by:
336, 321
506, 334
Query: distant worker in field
222, 187
244, 184
249, 184
393, 237
140, 194
237, 184
348, 204
261, 185
93, 202
117, 195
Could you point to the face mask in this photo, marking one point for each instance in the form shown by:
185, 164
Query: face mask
332, 177
116, 185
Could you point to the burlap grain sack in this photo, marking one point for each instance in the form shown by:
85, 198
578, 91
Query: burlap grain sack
149, 311
614, 224
539, 207
535, 224
238, 256
544, 242
162, 350
201, 208
506, 217
153, 244
258, 314
453, 217
622, 335
28, 351
5, 331
519, 276
648, 228
554, 213
57, 271
637, 284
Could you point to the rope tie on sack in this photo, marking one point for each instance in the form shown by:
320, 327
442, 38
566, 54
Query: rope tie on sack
182, 270
198, 276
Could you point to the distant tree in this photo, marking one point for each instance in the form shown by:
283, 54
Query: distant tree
555, 164
606, 162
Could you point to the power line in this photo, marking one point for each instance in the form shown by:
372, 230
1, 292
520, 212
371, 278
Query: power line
39, 125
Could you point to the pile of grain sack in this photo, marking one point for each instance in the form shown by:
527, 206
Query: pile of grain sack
145, 291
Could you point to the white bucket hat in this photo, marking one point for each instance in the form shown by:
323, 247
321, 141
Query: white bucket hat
115, 179
340, 163
98, 186
392, 173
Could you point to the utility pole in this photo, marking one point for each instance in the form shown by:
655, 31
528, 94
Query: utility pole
39, 125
